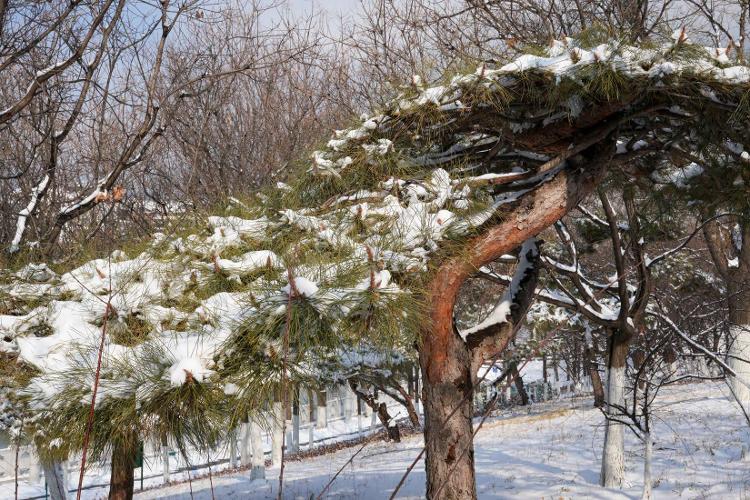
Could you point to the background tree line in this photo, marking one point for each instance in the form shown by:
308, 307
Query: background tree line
116, 114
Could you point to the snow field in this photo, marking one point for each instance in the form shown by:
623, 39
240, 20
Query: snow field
551, 452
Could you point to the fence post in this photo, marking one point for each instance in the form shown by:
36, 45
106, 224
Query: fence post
55, 476
359, 417
277, 436
289, 439
233, 449
346, 403
244, 443
295, 423
322, 420
165, 459
33, 467
66, 472
258, 464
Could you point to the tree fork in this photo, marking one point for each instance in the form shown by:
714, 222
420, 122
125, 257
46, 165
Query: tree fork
447, 362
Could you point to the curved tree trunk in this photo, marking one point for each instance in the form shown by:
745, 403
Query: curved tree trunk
123, 474
613, 456
449, 364
450, 376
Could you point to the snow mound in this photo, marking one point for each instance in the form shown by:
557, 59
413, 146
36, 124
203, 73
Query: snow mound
188, 369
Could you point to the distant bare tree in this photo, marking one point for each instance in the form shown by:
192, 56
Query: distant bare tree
137, 109
242, 128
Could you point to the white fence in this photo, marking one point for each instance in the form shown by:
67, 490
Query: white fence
344, 421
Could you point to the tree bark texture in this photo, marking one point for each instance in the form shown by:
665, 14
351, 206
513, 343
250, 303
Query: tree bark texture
613, 456
123, 473
448, 364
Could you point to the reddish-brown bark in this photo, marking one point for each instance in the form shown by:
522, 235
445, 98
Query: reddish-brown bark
448, 363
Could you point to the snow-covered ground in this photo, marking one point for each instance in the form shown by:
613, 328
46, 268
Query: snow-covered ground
552, 452
342, 424
97, 475
549, 450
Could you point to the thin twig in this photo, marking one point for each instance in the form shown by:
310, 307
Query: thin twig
90, 422
18, 449
210, 476
328, 485
292, 293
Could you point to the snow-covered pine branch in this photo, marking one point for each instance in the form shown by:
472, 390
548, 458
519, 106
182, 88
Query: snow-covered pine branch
389, 219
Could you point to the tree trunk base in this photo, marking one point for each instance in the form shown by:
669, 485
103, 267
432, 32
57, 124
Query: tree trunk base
123, 471
449, 440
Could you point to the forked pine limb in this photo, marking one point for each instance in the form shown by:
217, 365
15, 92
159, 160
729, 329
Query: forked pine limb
445, 359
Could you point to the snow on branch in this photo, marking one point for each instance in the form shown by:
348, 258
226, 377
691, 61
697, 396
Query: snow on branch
502, 311
24, 214
361, 228
698, 346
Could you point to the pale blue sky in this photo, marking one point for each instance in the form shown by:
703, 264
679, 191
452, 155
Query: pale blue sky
333, 7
